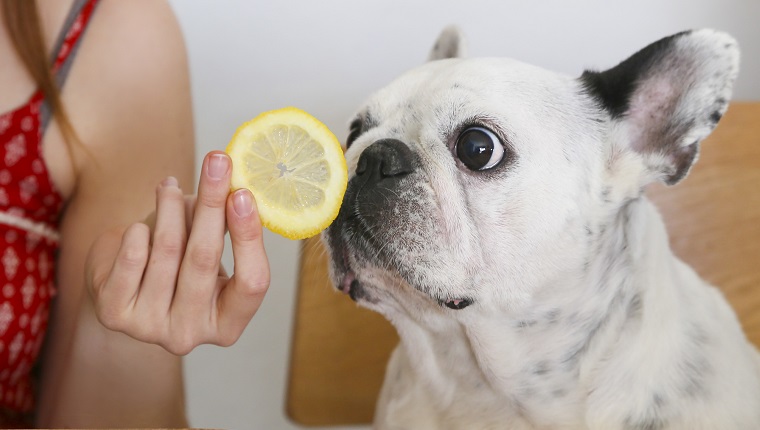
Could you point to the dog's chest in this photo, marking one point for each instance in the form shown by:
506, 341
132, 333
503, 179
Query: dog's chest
464, 397
475, 378
540, 379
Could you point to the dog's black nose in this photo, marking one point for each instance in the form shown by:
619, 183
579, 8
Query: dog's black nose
387, 158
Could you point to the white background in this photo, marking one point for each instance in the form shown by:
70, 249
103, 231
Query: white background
325, 57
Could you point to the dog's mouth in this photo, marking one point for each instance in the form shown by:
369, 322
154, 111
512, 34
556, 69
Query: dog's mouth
349, 282
349, 277
457, 304
350, 285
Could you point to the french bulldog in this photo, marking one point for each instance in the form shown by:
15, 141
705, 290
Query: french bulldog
495, 215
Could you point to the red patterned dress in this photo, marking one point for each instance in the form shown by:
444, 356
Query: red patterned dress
30, 207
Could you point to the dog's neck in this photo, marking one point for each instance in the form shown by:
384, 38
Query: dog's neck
547, 350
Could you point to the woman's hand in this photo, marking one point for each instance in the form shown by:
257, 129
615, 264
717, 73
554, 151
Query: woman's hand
166, 285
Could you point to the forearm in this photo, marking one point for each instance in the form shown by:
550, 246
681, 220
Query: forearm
108, 379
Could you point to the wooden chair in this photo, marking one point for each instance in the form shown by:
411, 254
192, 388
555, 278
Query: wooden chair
713, 217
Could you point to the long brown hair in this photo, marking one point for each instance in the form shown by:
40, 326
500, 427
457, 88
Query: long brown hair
22, 22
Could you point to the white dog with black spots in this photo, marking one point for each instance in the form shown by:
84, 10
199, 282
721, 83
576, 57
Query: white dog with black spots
495, 215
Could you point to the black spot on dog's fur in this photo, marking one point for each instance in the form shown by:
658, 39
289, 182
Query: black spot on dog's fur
698, 336
559, 392
606, 191
658, 401
692, 385
644, 424
553, 316
591, 328
526, 391
694, 367
651, 418
695, 380
634, 307
715, 117
612, 244
602, 229
541, 368
586, 265
525, 323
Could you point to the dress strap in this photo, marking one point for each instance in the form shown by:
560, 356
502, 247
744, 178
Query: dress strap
66, 47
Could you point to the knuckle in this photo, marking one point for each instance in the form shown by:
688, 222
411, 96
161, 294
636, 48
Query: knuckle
213, 199
256, 288
110, 318
132, 256
132, 260
170, 193
97, 280
227, 338
247, 233
180, 344
175, 349
205, 259
143, 329
146, 334
170, 245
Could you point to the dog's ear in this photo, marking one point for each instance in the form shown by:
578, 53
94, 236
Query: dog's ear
450, 44
669, 96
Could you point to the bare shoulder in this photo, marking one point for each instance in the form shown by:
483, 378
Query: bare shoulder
139, 38
134, 58
128, 96
138, 24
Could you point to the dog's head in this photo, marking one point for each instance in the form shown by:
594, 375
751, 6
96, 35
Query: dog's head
475, 182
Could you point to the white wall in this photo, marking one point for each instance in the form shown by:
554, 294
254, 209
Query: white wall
325, 57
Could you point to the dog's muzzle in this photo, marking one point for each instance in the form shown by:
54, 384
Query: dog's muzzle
369, 213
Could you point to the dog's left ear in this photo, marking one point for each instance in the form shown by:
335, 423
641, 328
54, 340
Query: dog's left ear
669, 96
450, 44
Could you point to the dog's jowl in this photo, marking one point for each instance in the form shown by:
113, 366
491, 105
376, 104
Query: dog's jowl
495, 215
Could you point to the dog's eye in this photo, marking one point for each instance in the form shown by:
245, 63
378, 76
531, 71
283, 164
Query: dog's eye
479, 148
354, 131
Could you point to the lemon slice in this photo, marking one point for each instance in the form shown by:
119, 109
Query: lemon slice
295, 168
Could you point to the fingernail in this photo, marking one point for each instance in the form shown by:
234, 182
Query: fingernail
242, 203
217, 166
171, 181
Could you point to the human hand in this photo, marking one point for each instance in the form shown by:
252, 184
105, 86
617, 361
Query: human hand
166, 285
